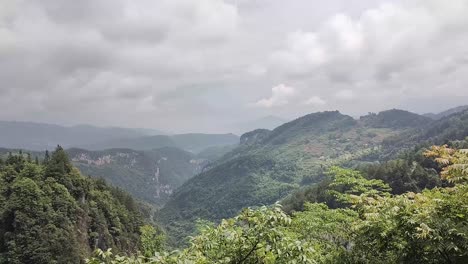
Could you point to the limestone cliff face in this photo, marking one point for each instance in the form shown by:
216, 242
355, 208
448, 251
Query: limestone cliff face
149, 175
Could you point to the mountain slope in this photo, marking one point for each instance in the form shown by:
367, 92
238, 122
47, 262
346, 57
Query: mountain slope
189, 142
270, 164
267, 122
149, 175
50, 213
136, 143
447, 112
39, 136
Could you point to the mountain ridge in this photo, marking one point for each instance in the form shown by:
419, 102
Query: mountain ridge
268, 165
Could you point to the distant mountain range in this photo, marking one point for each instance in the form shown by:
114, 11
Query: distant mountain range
151, 176
447, 112
189, 142
267, 122
39, 136
270, 164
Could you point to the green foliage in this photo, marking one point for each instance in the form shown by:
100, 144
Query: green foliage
411, 172
254, 236
404, 175
267, 166
51, 214
148, 175
347, 184
396, 119
327, 229
151, 240
455, 162
427, 227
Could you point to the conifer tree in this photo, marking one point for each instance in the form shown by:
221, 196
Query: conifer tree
46, 157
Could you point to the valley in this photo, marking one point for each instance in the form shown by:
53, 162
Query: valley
174, 189
233, 132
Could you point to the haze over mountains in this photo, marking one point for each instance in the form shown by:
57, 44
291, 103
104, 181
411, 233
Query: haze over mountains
269, 165
266, 122
447, 112
39, 136
233, 132
219, 174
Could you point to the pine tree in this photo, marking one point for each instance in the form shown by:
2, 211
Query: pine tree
59, 167
46, 157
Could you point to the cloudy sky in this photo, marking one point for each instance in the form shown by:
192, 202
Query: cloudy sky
205, 65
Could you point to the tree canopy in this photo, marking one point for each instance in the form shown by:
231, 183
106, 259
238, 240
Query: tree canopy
373, 226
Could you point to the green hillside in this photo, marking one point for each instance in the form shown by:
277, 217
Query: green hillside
351, 219
268, 165
151, 176
50, 213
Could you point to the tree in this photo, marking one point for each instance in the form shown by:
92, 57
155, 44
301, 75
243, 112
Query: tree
348, 184
151, 240
46, 157
427, 227
43, 220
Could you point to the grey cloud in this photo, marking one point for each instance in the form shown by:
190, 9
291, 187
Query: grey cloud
133, 32
186, 64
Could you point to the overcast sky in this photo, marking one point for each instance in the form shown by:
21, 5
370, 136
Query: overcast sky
205, 65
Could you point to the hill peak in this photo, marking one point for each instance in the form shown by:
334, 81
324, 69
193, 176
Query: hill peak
448, 112
395, 118
254, 136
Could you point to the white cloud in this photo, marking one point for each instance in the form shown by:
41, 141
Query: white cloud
280, 96
344, 95
315, 101
256, 70
380, 42
304, 52
192, 63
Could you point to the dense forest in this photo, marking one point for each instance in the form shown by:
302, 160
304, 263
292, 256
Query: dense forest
50, 213
270, 165
366, 224
325, 188
233, 132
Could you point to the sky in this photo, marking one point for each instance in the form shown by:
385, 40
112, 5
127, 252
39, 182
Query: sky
207, 65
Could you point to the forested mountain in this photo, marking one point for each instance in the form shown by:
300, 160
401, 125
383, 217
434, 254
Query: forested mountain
447, 112
135, 143
50, 213
38, 137
268, 165
405, 203
360, 221
150, 175
188, 142
267, 122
